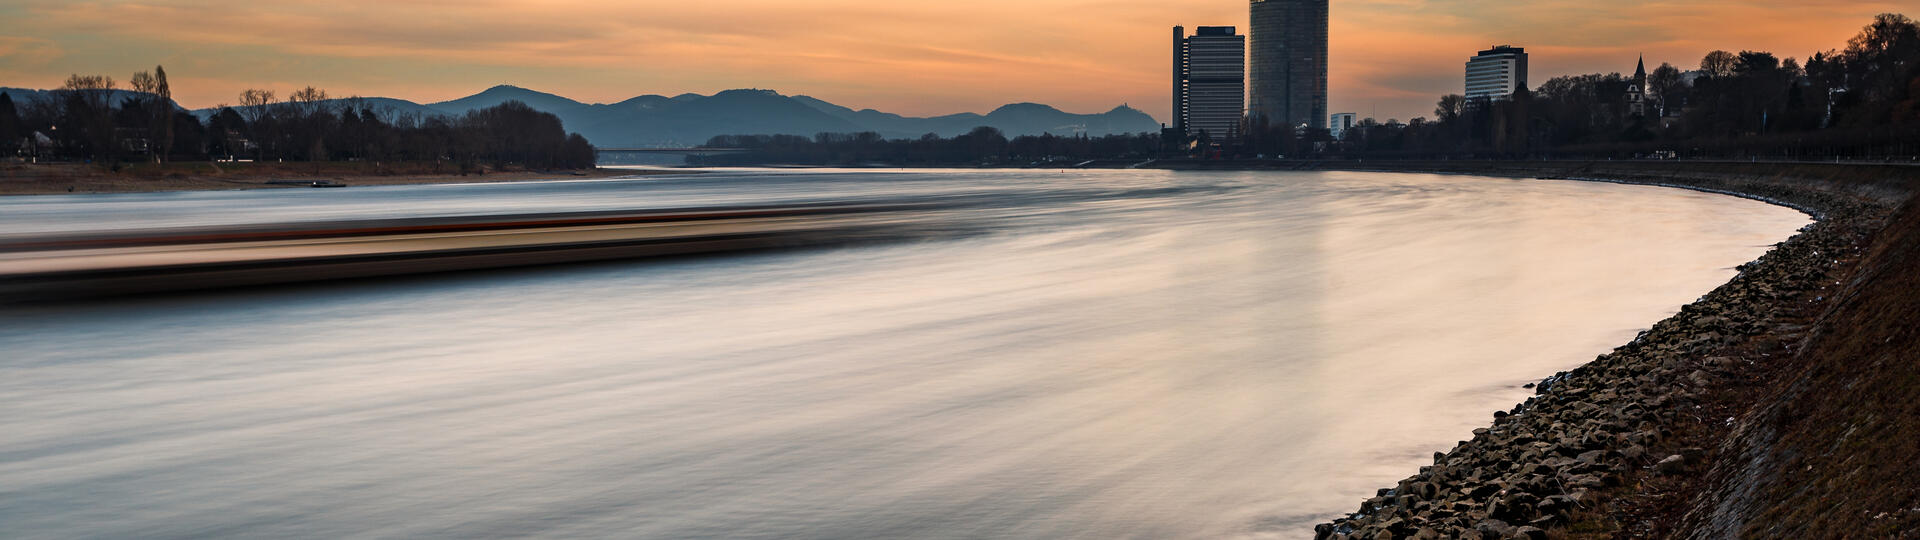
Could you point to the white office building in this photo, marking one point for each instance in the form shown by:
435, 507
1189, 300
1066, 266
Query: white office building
1496, 73
1339, 124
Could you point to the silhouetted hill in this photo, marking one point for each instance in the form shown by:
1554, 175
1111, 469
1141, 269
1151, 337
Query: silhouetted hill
691, 119
22, 97
1014, 120
387, 108
501, 94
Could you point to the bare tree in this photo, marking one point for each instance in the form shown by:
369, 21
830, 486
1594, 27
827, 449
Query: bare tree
1719, 63
141, 82
308, 101
88, 82
256, 106
253, 104
87, 103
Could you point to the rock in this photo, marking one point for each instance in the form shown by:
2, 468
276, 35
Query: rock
1494, 528
1552, 455
1699, 378
1590, 458
1674, 464
1482, 491
1634, 453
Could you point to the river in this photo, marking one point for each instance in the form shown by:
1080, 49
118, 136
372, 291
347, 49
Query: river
1106, 354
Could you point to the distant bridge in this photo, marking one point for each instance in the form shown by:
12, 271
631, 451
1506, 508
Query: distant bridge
697, 150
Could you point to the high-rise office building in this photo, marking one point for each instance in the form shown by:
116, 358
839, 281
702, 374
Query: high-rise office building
1496, 73
1288, 76
1209, 81
1339, 125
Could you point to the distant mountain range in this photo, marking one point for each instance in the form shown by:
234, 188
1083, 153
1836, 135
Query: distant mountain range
691, 119
23, 96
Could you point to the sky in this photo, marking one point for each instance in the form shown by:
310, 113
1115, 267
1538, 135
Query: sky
1389, 58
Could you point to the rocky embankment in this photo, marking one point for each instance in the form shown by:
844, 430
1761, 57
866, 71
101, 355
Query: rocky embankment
1642, 441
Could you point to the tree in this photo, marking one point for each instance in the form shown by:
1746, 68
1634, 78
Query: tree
256, 106
219, 127
1888, 34
1450, 108
253, 104
308, 121
1718, 64
1668, 87
1755, 62
86, 103
12, 130
579, 154
307, 100
984, 142
162, 114
1884, 58
141, 82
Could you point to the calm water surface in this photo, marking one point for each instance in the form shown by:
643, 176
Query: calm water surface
1116, 354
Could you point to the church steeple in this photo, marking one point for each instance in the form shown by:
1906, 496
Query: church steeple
1637, 92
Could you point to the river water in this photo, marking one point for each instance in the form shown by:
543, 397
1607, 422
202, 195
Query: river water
1112, 354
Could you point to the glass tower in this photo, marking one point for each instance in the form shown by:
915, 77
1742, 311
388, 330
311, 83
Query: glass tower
1288, 66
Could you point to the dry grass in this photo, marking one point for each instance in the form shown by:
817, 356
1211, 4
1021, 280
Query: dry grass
1847, 461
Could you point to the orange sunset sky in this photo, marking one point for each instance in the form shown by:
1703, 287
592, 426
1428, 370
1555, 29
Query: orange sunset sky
1390, 58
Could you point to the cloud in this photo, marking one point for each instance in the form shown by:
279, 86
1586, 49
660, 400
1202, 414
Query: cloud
20, 52
906, 56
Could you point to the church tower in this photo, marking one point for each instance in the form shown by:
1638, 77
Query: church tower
1637, 91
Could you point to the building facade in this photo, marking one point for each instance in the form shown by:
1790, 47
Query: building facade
1339, 124
1209, 82
1287, 76
1496, 73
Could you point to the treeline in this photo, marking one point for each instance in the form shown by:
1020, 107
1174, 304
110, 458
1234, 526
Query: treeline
984, 146
89, 119
1859, 102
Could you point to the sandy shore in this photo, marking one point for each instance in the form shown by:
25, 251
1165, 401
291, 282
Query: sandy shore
40, 179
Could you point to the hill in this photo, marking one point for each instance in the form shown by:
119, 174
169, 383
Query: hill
503, 93
25, 96
690, 119
387, 108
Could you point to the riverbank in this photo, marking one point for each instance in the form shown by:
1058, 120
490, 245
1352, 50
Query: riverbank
1776, 406
41, 179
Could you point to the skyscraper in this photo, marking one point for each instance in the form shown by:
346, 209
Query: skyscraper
1209, 81
1288, 76
1495, 73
